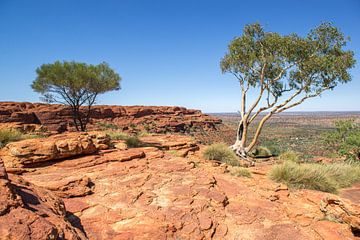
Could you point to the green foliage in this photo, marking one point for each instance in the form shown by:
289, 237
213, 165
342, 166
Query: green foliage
312, 63
240, 172
117, 135
261, 152
75, 79
222, 153
131, 141
290, 156
12, 135
274, 146
345, 139
327, 178
9, 135
75, 84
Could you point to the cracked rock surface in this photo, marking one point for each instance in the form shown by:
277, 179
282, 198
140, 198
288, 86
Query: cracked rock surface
155, 192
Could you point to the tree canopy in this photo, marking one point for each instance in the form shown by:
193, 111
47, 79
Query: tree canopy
289, 66
75, 84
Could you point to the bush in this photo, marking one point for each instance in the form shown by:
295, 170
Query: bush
273, 146
131, 141
114, 135
9, 135
261, 152
290, 156
321, 177
222, 153
345, 139
240, 172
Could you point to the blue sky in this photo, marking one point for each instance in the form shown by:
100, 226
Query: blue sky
167, 52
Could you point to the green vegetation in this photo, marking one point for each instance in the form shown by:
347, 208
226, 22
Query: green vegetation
261, 152
345, 139
222, 153
240, 172
321, 177
303, 67
13, 135
131, 141
290, 156
75, 84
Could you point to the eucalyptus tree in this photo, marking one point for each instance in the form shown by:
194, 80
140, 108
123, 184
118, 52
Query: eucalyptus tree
283, 71
76, 85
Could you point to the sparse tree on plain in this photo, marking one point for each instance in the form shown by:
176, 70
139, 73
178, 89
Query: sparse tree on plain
283, 71
76, 85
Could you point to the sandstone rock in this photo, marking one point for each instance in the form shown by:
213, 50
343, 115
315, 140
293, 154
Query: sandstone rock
133, 118
149, 193
29, 212
342, 211
27, 153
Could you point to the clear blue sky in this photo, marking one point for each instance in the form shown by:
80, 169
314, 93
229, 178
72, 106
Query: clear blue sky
167, 52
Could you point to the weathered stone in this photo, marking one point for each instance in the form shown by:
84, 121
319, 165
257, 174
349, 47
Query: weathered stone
30, 152
153, 193
133, 118
30, 212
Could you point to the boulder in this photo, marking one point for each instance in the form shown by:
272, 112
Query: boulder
30, 212
27, 153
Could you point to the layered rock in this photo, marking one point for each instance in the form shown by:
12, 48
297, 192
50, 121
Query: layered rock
30, 212
153, 192
134, 118
28, 153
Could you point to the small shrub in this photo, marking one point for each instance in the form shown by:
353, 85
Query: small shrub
261, 152
290, 156
321, 177
9, 135
222, 153
116, 135
133, 142
240, 172
345, 139
273, 146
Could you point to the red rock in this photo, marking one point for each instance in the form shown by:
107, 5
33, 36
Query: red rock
30, 212
150, 118
148, 193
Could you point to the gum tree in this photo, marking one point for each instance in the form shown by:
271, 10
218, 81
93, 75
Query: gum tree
76, 85
283, 71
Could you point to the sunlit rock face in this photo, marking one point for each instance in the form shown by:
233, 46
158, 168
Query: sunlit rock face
161, 190
157, 119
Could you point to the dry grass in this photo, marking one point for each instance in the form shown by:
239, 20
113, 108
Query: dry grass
240, 172
131, 141
290, 156
321, 177
222, 153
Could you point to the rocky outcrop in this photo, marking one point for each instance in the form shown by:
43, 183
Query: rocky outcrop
30, 212
28, 153
133, 118
154, 192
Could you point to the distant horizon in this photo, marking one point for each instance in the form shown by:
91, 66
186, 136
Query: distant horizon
167, 52
234, 112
